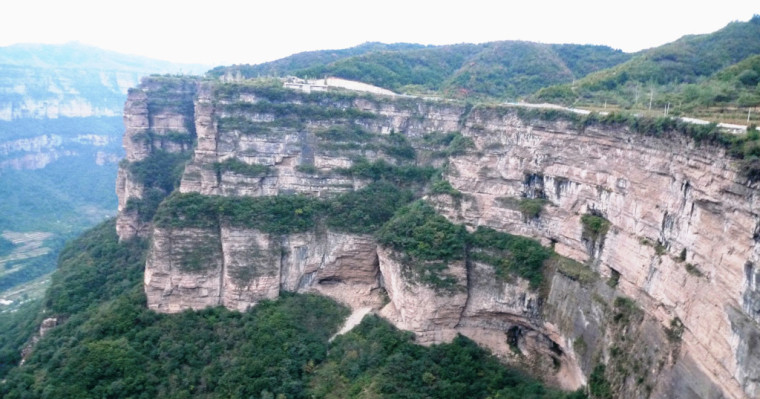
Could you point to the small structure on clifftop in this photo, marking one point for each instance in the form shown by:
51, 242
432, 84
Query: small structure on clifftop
309, 85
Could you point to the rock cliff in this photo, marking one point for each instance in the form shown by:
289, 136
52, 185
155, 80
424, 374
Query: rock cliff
656, 237
158, 121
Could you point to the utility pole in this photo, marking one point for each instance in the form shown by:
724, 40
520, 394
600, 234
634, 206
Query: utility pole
749, 110
651, 95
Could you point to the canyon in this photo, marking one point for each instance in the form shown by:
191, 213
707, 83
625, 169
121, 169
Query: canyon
666, 296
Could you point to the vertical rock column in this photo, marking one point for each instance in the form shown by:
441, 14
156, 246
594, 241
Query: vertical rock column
431, 313
158, 118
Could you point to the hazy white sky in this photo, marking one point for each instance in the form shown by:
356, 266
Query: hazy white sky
217, 32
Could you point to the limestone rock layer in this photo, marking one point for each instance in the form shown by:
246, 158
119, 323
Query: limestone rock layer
674, 279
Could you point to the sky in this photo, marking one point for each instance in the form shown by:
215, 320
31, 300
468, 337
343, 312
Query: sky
223, 32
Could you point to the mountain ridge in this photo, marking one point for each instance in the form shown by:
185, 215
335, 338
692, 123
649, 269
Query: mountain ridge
78, 55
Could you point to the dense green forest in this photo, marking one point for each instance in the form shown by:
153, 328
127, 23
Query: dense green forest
287, 65
110, 345
65, 196
711, 75
697, 71
60, 200
502, 70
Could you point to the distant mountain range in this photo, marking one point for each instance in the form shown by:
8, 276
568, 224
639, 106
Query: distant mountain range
60, 141
693, 74
71, 80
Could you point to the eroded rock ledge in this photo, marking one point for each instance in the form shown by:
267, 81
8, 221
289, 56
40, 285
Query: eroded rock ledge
669, 303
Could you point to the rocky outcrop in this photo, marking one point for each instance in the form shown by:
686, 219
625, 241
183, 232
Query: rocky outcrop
237, 268
36, 152
431, 313
158, 120
666, 294
52, 93
46, 325
682, 220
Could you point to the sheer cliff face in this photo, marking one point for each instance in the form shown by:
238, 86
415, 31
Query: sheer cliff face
671, 303
682, 241
158, 120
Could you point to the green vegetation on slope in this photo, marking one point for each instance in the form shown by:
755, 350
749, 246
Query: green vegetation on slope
491, 70
424, 235
365, 211
95, 268
309, 59
684, 76
404, 175
160, 173
110, 345
360, 211
273, 214
510, 254
15, 330
377, 360
735, 86
693, 72
425, 68
59, 200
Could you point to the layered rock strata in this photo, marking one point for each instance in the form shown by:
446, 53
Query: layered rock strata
671, 301
159, 117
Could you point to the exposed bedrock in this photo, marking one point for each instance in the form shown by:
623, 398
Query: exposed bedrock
671, 302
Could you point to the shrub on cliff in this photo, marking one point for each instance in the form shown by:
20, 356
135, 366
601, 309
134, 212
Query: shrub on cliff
420, 232
404, 175
160, 173
272, 214
237, 166
161, 170
510, 254
366, 210
594, 226
187, 210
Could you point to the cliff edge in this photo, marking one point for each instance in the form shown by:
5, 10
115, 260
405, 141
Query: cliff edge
645, 275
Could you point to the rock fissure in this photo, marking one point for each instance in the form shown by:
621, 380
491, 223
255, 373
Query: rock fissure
223, 272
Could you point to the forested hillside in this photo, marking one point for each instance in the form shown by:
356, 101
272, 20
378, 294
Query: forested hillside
711, 75
501, 70
109, 345
693, 73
